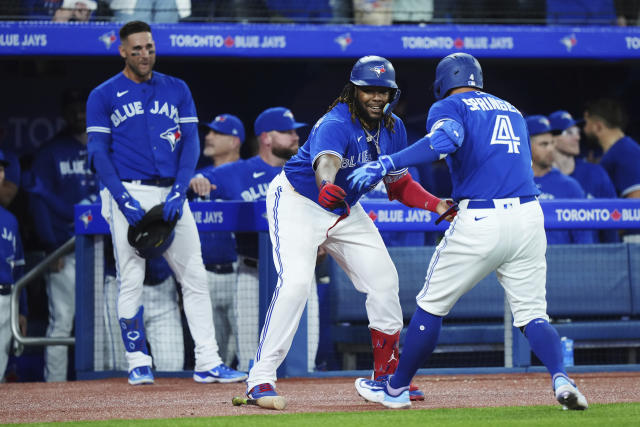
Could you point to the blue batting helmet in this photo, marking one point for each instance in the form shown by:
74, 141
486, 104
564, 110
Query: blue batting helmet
373, 71
456, 70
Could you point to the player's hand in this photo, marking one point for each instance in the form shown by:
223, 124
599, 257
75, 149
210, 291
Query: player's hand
174, 203
447, 209
370, 173
201, 186
331, 196
130, 208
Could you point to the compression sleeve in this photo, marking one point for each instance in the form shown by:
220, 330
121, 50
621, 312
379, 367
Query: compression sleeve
410, 193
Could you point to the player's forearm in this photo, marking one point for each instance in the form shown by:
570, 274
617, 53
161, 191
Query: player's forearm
418, 153
327, 166
188, 155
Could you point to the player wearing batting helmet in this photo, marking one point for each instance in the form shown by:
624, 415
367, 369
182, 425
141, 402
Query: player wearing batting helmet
143, 143
311, 198
499, 226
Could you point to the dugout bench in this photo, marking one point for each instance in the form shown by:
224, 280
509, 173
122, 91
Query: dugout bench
593, 296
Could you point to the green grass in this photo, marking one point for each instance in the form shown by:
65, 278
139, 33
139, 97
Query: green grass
615, 414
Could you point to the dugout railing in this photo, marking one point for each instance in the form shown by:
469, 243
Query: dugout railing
390, 216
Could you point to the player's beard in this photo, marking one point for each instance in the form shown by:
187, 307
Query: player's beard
363, 114
283, 152
135, 68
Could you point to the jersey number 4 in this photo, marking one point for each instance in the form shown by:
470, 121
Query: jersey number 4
503, 134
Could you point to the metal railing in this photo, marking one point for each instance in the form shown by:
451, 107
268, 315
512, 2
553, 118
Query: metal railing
32, 275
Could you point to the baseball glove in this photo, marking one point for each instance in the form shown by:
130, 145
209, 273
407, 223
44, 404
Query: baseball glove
152, 236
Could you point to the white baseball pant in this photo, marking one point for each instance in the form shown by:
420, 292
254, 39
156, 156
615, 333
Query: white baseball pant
162, 324
354, 243
5, 333
508, 239
185, 259
61, 290
223, 290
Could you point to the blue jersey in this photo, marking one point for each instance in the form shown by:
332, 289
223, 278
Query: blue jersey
218, 247
62, 179
149, 124
337, 134
11, 253
622, 163
596, 184
556, 185
246, 180
397, 238
494, 159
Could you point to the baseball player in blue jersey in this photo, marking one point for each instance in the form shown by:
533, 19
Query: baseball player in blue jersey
605, 121
499, 226
248, 180
143, 143
311, 198
11, 262
9, 188
60, 178
552, 183
592, 177
224, 137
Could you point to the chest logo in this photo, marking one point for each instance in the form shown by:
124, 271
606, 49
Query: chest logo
172, 135
257, 175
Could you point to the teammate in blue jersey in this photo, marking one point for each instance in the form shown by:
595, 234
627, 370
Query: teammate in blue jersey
223, 139
60, 178
605, 121
592, 177
310, 205
143, 143
11, 264
9, 188
248, 180
499, 226
552, 183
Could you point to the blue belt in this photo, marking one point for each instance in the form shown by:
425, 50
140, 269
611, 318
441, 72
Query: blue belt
488, 204
5, 288
156, 182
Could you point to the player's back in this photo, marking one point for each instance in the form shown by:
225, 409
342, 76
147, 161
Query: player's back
494, 160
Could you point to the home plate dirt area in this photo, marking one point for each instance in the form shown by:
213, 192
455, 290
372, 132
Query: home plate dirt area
182, 397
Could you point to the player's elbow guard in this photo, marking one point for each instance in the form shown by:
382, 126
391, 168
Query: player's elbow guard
446, 136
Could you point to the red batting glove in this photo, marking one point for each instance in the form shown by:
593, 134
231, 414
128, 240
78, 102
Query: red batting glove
331, 196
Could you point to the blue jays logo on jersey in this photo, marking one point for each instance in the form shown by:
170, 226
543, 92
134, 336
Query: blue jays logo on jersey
378, 69
172, 135
86, 217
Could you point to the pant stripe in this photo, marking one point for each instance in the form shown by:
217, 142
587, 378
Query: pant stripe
276, 229
435, 260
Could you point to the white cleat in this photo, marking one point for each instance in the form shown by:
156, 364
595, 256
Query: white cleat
376, 391
568, 395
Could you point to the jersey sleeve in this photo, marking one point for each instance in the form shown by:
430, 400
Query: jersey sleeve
445, 109
330, 137
628, 173
98, 124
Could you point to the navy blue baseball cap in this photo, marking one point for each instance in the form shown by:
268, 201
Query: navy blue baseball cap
538, 124
561, 120
276, 118
227, 124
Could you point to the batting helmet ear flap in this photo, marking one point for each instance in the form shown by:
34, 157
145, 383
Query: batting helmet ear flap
389, 106
152, 236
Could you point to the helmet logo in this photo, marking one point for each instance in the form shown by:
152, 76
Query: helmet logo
378, 69
472, 80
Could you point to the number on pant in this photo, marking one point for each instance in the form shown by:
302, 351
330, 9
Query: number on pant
503, 134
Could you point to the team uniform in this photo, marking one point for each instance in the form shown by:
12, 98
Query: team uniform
11, 262
621, 163
148, 133
162, 321
249, 180
353, 240
499, 227
61, 179
556, 185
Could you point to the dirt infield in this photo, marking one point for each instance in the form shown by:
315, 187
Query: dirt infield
182, 397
